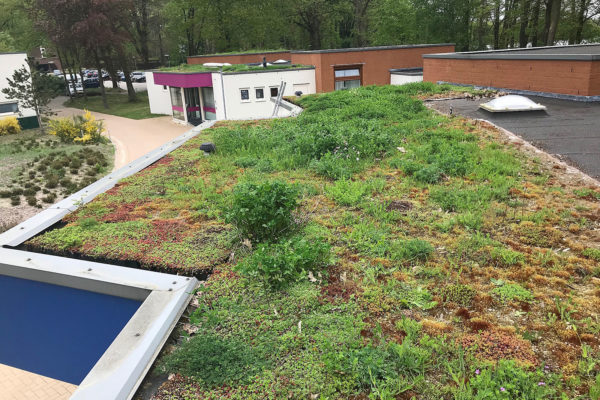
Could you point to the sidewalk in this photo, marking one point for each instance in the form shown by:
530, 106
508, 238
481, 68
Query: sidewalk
131, 138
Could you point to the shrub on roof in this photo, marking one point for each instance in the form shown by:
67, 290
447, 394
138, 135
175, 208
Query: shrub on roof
278, 265
262, 211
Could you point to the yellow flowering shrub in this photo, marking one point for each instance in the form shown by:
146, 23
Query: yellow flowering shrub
9, 126
81, 129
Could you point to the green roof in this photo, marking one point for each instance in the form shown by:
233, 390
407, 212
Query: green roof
188, 68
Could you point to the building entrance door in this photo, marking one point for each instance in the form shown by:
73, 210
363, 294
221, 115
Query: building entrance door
192, 106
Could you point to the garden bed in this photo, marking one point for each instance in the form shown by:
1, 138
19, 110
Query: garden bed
461, 266
38, 170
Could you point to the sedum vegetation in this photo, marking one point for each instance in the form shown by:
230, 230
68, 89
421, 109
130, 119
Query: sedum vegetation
410, 254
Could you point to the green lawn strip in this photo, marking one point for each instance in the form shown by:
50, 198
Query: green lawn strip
118, 103
424, 216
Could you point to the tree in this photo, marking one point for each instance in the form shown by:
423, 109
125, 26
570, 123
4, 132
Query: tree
31, 90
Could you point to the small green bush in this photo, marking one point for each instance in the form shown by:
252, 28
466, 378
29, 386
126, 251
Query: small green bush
278, 265
594, 254
15, 200
506, 257
512, 291
346, 192
262, 212
31, 200
215, 361
413, 250
510, 381
245, 162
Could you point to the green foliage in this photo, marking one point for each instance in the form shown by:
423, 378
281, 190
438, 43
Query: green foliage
349, 193
511, 292
413, 250
510, 381
396, 295
280, 264
263, 212
506, 257
595, 389
82, 129
215, 361
460, 294
594, 254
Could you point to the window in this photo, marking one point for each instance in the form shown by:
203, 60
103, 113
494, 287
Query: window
177, 103
274, 91
348, 77
344, 73
9, 108
344, 85
245, 94
165, 88
260, 93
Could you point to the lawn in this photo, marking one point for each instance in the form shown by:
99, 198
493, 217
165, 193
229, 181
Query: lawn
367, 249
118, 103
38, 168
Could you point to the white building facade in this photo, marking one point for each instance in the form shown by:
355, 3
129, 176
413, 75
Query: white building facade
9, 63
195, 97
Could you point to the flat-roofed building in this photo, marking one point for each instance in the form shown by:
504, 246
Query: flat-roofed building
9, 63
556, 71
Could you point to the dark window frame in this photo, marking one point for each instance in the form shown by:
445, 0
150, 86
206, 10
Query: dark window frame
276, 89
262, 93
247, 94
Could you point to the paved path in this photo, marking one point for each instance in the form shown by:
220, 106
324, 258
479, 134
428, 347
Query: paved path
132, 138
17, 384
568, 129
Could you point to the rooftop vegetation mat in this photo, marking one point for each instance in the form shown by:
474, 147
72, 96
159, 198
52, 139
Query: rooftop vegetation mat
409, 254
234, 68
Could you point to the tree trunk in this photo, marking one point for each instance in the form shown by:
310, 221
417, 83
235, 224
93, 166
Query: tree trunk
554, 19
126, 72
583, 5
547, 14
535, 22
102, 90
525, 7
497, 25
482, 24
63, 64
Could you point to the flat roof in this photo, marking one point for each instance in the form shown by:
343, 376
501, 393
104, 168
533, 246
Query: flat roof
230, 69
568, 128
582, 52
374, 48
246, 53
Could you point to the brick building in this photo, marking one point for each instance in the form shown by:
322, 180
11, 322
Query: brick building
570, 71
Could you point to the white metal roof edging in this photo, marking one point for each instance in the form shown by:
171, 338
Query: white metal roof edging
34, 225
121, 369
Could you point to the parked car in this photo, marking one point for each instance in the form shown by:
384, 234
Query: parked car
77, 89
91, 83
138, 76
121, 76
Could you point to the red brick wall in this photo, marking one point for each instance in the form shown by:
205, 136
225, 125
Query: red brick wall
553, 76
239, 58
376, 63
595, 79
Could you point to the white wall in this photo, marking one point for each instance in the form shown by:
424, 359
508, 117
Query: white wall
8, 64
158, 97
397, 79
253, 108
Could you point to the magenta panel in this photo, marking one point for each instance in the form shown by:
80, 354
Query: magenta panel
177, 108
193, 108
200, 79
209, 109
